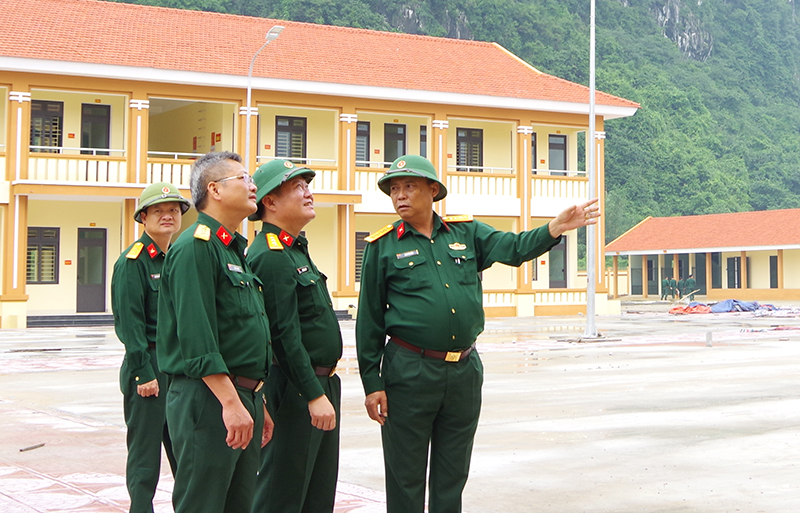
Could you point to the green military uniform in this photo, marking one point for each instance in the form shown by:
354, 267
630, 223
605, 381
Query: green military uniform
134, 301
300, 465
211, 320
673, 287
691, 286
425, 293
664, 288
680, 289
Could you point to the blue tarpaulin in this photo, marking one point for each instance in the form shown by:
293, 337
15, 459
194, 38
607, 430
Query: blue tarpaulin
734, 305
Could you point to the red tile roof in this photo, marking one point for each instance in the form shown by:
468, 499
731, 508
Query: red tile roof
742, 230
91, 31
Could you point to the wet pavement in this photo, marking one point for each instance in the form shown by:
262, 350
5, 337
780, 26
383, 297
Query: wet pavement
693, 413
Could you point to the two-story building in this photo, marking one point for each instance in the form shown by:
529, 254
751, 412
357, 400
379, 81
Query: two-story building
98, 99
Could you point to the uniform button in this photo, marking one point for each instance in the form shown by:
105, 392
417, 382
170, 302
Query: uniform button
241, 282
312, 281
447, 285
453, 310
454, 337
438, 262
136, 378
431, 241
411, 263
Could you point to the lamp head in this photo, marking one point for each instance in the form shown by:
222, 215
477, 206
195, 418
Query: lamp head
274, 32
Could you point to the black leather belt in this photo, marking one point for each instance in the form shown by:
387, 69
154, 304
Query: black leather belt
325, 371
248, 383
448, 356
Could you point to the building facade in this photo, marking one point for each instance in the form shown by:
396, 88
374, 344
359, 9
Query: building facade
750, 256
127, 95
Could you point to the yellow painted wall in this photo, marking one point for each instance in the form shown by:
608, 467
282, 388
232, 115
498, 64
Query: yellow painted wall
71, 215
543, 145
376, 132
3, 111
72, 114
499, 143
174, 130
321, 234
321, 132
791, 268
759, 269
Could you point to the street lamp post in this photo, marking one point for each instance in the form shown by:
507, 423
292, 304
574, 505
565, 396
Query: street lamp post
272, 34
591, 165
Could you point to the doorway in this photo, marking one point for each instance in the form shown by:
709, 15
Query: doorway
558, 265
91, 270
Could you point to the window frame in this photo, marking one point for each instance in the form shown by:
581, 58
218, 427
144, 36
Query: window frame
465, 149
291, 129
37, 242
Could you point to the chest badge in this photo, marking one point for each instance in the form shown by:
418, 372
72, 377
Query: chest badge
407, 254
235, 268
457, 246
301, 270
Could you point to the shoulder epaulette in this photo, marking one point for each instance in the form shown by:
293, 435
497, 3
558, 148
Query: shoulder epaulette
202, 232
467, 218
372, 237
135, 250
274, 242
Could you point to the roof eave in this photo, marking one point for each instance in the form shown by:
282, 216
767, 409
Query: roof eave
680, 251
110, 71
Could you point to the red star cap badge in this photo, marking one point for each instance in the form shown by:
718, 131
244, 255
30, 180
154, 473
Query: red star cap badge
151, 250
224, 236
286, 238
401, 230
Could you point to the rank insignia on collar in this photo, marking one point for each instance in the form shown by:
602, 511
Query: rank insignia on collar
202, 232
274, 242
224, 236
286, 238
135, 250
457, 219
372, 237
457, 246
401, 230
152, 251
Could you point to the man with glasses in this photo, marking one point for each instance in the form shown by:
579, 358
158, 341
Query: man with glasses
420, 287
300, 466
213, 339
134, 300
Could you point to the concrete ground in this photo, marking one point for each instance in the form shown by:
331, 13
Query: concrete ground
696, 413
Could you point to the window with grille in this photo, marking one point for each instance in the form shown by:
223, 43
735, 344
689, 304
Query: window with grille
290, 138
533, 153
42, 266
360, 245
469, 149
47, 119
362, 143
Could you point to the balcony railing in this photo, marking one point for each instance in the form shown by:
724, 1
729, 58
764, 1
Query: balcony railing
60, 164
480, 169
558, 172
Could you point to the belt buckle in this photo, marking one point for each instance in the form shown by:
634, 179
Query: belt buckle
259, 386
453, 356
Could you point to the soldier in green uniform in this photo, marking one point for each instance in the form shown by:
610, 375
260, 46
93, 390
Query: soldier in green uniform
213, 339
680, 288
299, 468
690, 287
134, 301
673, 287
420, 287
665, 288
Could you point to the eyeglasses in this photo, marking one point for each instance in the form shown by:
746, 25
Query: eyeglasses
244, 176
